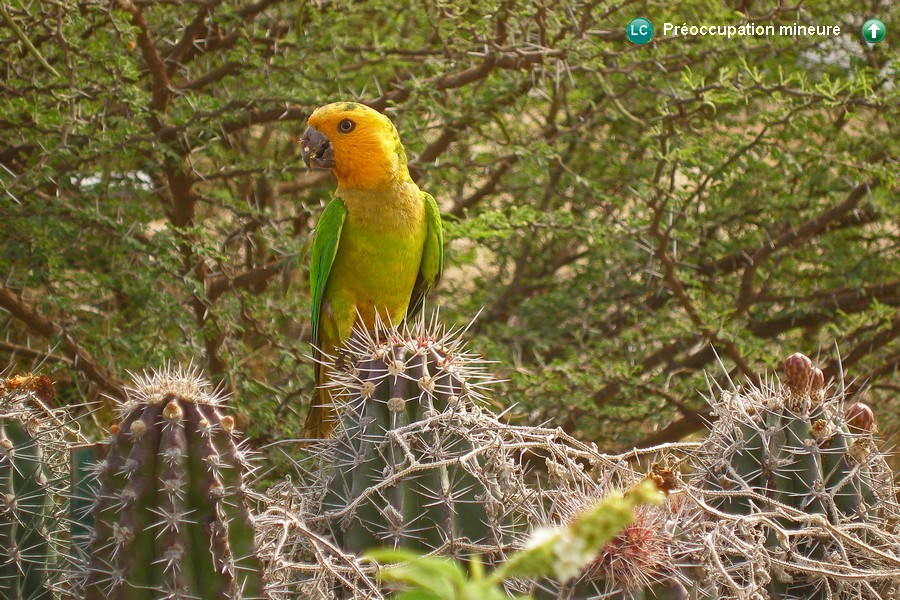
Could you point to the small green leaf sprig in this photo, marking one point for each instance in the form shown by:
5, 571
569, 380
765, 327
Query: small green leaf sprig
560, 552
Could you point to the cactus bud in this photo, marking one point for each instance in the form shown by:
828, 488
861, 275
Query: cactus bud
860, 418
817, 381
798, 369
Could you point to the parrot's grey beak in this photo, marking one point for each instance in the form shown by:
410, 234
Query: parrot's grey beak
316, 149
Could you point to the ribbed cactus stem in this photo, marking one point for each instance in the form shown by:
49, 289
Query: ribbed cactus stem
24, 505
170, 515
750, 456
400, 470
797, 459
31, 462
856, 473
797, 453
841, 477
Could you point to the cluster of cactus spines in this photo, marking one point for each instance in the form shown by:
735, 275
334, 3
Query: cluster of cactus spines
32, 460
389, 480
170, 519
785, 459
639, 563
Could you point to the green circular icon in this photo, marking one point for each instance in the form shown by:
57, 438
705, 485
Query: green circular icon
640, 31
873, 31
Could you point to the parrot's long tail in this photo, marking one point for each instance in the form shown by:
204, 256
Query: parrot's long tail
321, 418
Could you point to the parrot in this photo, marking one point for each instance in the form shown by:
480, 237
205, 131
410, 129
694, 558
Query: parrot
378, 247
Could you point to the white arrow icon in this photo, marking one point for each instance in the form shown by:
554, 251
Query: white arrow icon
874, 29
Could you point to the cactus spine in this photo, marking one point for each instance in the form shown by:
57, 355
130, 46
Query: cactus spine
30, 461
638, 563
170, 519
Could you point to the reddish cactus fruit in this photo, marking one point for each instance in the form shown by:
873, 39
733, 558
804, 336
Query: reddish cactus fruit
817, 380
798, 369
860, 418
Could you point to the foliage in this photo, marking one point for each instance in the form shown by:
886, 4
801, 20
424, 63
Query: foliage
624, 215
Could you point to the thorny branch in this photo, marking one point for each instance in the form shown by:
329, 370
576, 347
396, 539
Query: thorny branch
81, 358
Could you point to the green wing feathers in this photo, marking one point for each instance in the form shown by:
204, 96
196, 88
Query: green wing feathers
432, 264
325, 245
433, 254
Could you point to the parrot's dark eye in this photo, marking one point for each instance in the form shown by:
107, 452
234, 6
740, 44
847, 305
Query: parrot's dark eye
346, 126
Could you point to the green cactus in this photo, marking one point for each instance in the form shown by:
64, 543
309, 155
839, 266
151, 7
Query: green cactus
400, 470
789, 447
31, 461
25, 503
417, 463
170, 519
83, 458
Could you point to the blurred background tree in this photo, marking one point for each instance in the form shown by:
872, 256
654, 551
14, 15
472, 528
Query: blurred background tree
626, 218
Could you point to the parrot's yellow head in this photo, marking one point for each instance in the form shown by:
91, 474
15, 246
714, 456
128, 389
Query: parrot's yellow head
358, 143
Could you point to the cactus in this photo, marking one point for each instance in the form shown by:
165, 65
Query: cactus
32, 460
400, 470
559, 552
417, 462
788, 497
793, 453
170, 519
83, 458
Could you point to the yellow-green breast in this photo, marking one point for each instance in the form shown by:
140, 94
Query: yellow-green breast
377, 259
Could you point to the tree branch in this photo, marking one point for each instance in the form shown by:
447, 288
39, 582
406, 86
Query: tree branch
210, 76
890, 365
438, 146
162, 86
677, 430
33, 354
697, 421
674, 284
791, 237
863, 349
174, 54
486, 189
270, 115
218, 285
825, 304
81, 359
